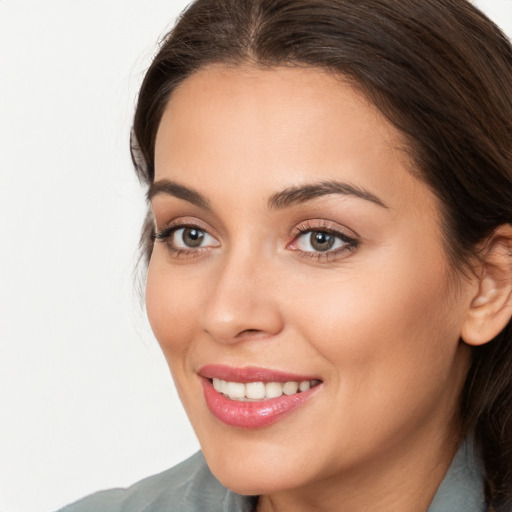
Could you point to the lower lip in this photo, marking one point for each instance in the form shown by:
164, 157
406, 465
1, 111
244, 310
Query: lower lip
253, 414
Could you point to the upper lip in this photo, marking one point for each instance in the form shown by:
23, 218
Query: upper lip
250, 374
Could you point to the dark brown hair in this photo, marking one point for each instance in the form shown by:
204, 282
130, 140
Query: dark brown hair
441, 72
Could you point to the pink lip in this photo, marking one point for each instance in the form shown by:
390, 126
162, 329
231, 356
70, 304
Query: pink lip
251, 414
250, 374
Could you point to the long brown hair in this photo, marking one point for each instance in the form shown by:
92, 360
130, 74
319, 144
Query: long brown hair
441, 72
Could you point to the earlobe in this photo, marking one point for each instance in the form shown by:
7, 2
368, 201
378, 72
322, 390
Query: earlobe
491, 308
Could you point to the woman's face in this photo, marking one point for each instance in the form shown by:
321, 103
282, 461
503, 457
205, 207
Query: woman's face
295, 245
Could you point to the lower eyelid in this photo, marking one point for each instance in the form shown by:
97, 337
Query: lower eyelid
178, 249
345, 242
347, 245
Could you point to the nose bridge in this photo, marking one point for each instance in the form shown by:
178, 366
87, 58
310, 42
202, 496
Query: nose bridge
241, 301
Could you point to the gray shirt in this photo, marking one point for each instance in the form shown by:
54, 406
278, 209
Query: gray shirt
191, 487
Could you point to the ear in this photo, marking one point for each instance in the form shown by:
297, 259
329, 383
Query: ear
491, 308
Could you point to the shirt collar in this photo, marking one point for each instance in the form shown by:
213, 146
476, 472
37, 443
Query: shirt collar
463, 485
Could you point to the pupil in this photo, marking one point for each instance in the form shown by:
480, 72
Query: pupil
192, 237
322, 241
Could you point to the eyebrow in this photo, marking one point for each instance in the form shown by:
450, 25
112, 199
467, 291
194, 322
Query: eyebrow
303, 193
181, 192
288, 197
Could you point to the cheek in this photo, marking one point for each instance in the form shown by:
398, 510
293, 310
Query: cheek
389, 329
172, 309
392, 356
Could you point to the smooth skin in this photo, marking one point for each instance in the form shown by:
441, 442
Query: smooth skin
354, 288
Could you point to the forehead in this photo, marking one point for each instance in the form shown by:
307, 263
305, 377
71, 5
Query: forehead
281, 101
269, 128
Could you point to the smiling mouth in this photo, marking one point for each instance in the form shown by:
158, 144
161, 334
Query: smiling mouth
250, 397
260, 391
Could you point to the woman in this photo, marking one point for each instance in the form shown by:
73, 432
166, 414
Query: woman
329, 244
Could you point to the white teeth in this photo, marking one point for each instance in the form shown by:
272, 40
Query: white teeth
235, 390
260, 390
255, 390
304, 385
290, 388
273, 389
217, 384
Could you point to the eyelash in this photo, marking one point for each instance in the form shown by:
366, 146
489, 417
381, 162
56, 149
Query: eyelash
349, 243
165, 235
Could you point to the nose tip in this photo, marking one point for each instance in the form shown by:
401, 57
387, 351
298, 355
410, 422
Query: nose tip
241, 308
244, 322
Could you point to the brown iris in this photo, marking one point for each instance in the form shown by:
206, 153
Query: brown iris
192, 237
321, 241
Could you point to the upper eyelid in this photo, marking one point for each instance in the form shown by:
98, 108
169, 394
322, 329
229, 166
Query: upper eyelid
323, 225
183, 222
336, 233
311, 224
345, 238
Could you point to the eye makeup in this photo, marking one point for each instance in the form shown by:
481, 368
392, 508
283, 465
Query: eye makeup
316, 239
322, 241
186, 238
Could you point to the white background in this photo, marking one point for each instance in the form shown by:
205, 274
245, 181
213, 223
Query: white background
86, 401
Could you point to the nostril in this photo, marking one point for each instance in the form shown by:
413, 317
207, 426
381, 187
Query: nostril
249, 332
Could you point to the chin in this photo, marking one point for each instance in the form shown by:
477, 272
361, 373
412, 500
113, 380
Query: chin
255, 477
259, 462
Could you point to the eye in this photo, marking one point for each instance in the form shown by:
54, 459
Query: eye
186, 240
322, 243
190, 238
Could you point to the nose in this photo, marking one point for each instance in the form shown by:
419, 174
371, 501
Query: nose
243, 302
